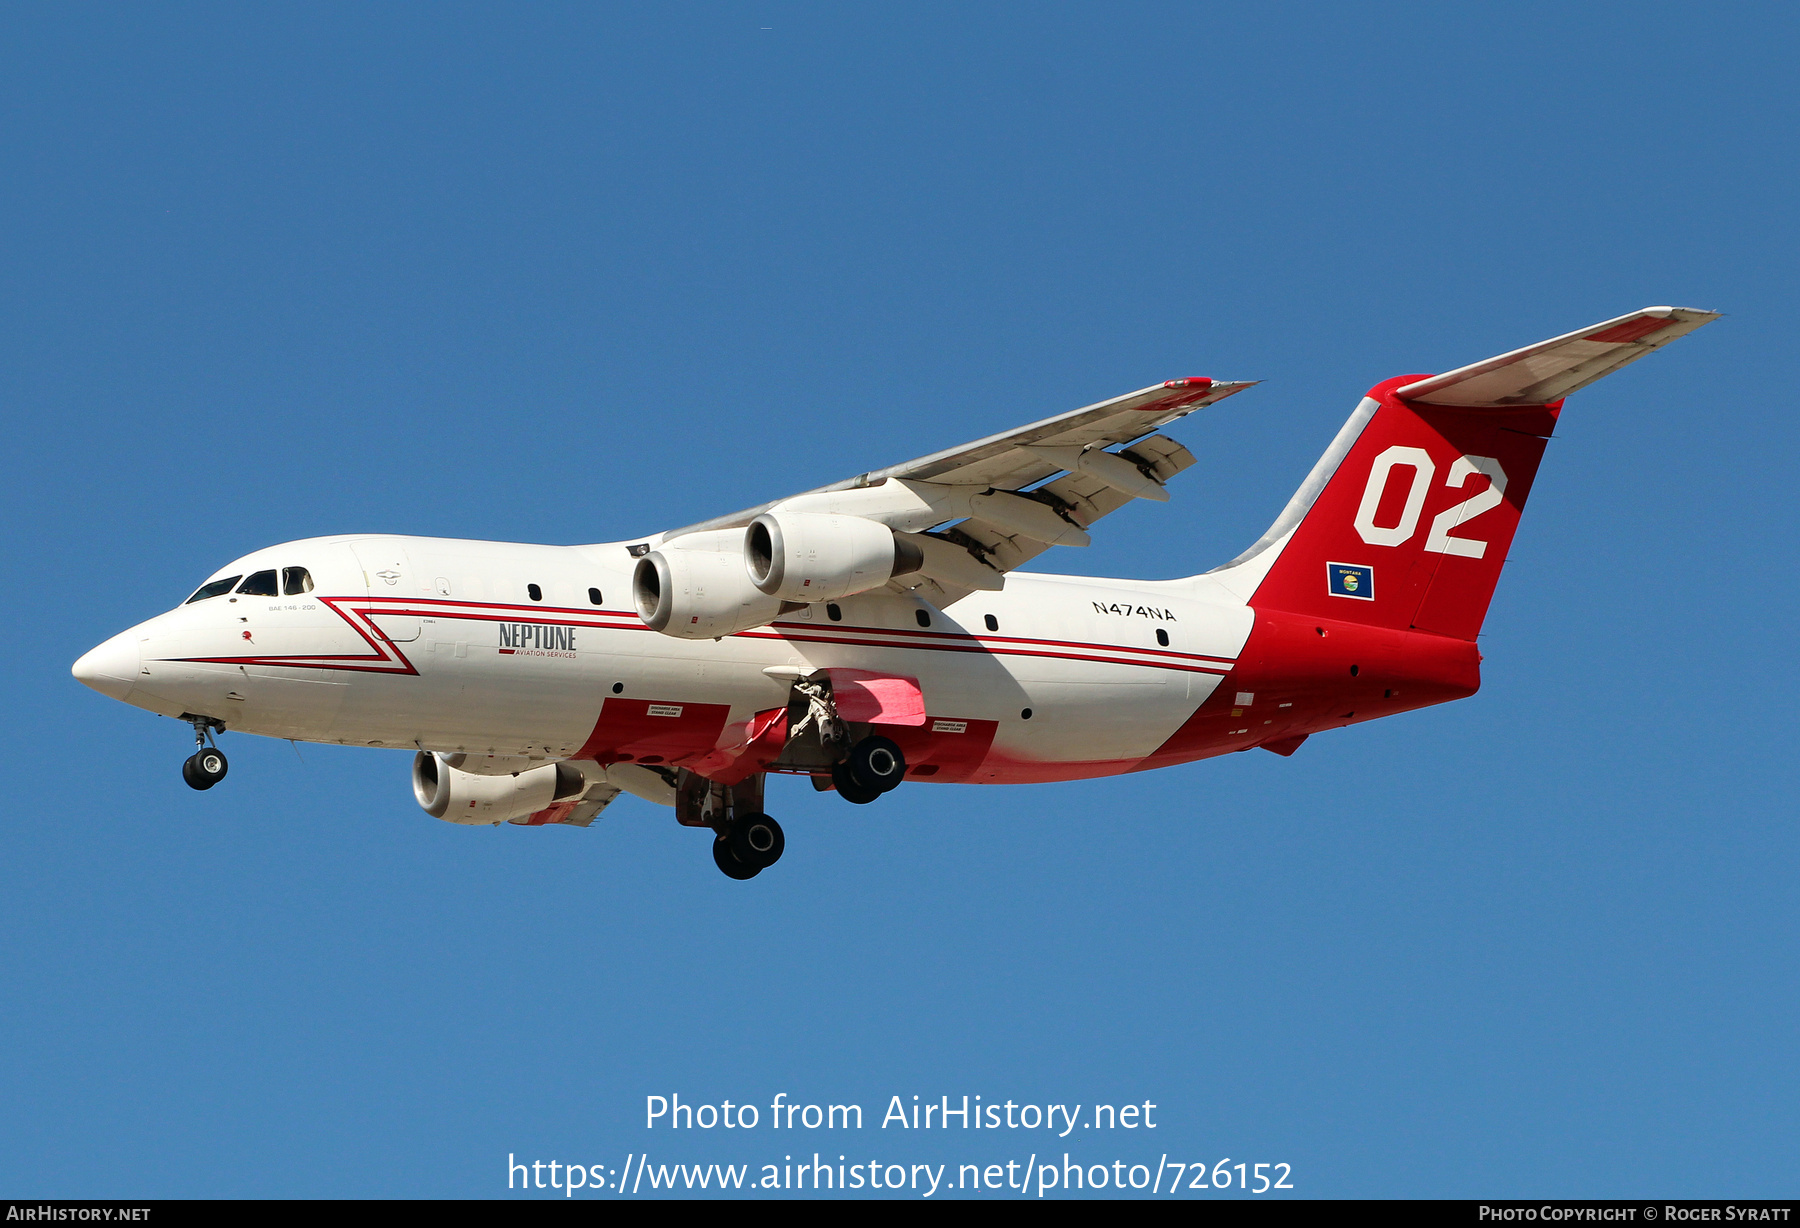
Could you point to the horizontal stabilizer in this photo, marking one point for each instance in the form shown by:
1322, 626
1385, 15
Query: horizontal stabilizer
1551, 370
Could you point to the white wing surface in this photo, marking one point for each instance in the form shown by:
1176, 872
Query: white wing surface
982, 509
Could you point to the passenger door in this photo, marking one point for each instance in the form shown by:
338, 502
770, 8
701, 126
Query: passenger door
389, 574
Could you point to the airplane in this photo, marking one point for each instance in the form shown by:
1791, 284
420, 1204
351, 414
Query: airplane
877, 630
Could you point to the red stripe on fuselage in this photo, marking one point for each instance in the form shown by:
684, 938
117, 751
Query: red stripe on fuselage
392, 660
821, 634
387, 653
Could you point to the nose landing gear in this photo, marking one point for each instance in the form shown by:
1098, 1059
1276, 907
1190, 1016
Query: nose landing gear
206, 767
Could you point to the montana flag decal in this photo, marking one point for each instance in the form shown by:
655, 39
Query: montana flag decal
1349, 580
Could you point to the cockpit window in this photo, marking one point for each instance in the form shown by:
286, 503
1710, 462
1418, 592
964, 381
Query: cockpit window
295, 580
260, 584
213, 589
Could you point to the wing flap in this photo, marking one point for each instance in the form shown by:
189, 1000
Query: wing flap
1084, 497
1008, 461
575, 812
589, 808
1003, 461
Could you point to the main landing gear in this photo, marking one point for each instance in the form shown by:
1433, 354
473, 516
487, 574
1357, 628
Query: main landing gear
874, 766
747, 845
861, 771
745, 840
206, 767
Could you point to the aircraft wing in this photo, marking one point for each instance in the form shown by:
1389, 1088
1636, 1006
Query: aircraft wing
1005, 461
985, 508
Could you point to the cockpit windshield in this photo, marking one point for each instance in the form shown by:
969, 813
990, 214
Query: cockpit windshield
260, 584
295, 580
213, 588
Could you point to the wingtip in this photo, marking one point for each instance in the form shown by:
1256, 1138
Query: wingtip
1685, 313
1192, 393
1203, 381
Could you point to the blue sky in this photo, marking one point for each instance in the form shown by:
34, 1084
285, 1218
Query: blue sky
573, 273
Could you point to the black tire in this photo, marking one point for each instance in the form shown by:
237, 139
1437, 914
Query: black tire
727, 861
190, 772
757, 840
850, 788
210, 765
878, 763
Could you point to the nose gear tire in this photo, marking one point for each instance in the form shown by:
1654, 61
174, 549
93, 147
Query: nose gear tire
204, 768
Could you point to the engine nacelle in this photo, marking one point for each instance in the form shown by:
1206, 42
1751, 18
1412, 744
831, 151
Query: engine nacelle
815, 556
490, 765
457, 796
699, 594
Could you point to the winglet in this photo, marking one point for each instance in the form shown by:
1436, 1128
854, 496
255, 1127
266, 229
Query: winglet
1551, 370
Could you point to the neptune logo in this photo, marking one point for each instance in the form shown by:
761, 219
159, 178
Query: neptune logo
1350, 580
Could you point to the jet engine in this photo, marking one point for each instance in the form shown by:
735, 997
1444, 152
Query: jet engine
699, 594
814, 556
457, 796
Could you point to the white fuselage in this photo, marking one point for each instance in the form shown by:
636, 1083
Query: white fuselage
440, 645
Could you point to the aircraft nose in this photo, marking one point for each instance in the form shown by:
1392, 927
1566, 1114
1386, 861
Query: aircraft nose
112, 668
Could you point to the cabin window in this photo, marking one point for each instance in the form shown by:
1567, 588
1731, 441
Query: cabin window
213, 589
923, 616
833, 612
1162, 637
259, 584
295, 580
594, 597
993, 624
537, 594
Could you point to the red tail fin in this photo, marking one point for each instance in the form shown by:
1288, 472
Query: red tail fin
1411, 530
1406, 520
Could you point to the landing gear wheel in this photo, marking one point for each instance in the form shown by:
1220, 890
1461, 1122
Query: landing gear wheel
850, 788
727, 861
878, 763
756, 840
205, 768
